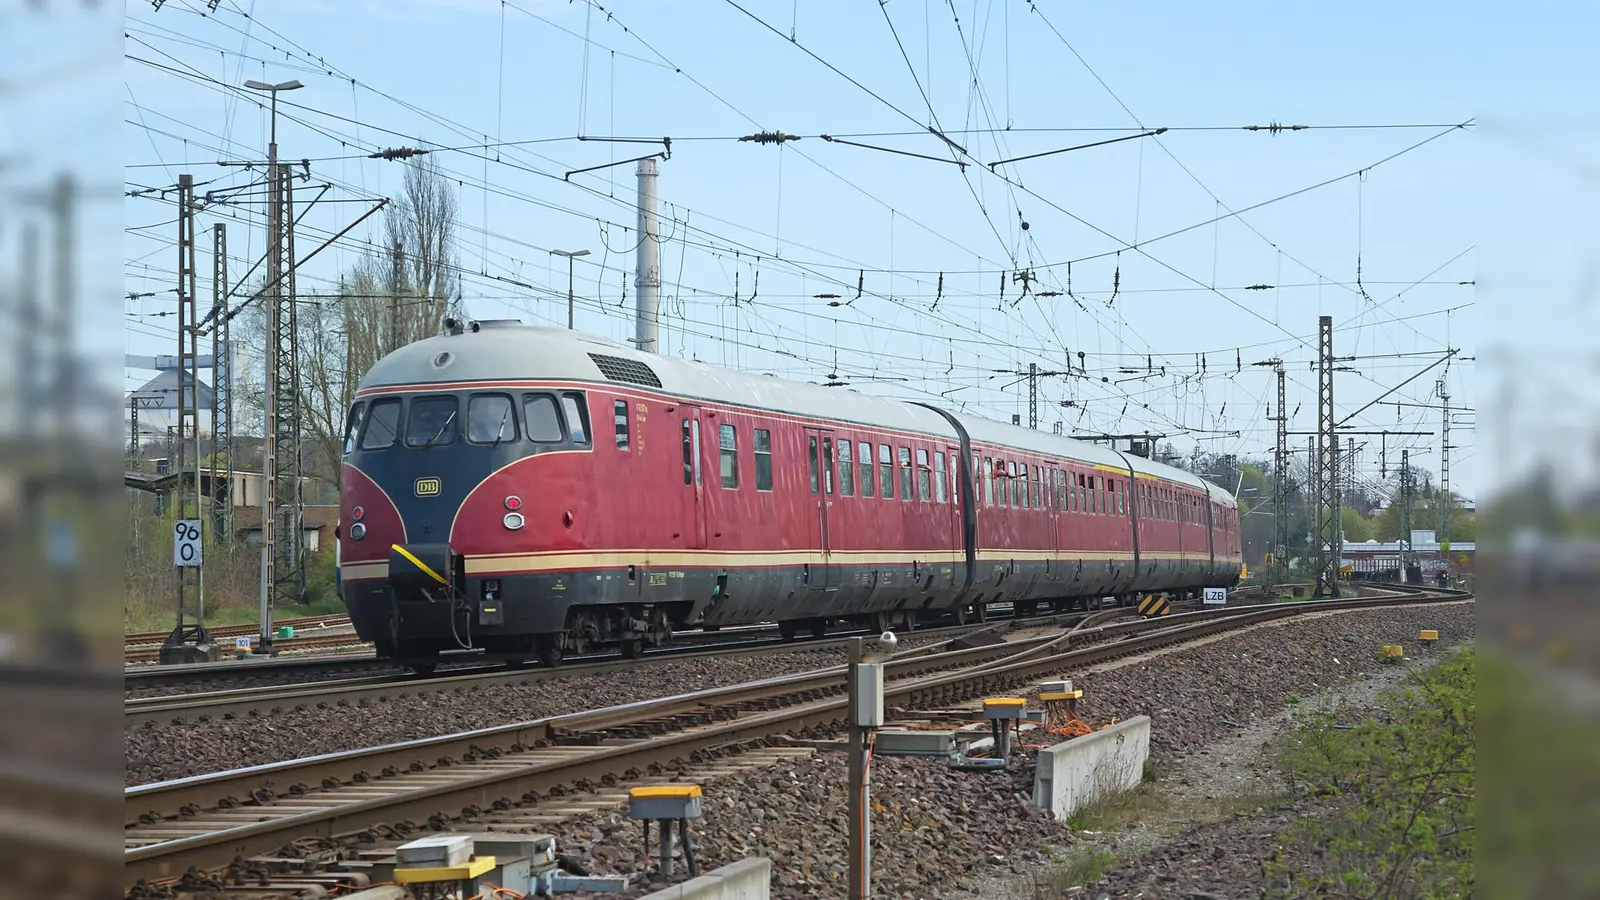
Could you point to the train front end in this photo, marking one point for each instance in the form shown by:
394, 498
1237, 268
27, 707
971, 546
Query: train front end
457, 464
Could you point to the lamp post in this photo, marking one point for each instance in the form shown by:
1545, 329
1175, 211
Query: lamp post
569, 254
269, 463
272, 140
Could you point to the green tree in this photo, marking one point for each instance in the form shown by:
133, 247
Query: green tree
1356, 527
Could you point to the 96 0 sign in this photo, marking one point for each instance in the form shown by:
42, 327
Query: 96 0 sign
186, 543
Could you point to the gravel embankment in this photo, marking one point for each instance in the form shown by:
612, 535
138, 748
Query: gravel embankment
1191, 696
942, 833
933, 828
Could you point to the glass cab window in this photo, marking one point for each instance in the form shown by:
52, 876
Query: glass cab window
352, 426
490, 419
541, 420
431, 422
576, 407
383, 425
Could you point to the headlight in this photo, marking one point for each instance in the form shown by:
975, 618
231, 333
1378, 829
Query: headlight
512, 521
358, 531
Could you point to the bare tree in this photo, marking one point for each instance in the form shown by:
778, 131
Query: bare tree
387, 299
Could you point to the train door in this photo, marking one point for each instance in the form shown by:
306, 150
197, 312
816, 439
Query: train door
955, 535
819, 461
693, 477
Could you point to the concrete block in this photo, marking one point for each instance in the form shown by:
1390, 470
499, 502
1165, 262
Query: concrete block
747, 879
1081, 771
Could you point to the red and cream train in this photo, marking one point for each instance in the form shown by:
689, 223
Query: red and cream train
532, 492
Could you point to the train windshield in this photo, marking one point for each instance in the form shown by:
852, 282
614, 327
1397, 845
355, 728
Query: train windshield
431, 422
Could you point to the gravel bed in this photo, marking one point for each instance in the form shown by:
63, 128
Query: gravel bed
933, 828
1246, 677
163, 751
941, 833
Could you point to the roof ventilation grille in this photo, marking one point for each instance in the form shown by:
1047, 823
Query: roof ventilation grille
629, 370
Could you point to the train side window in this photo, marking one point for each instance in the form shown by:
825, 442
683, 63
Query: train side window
865, 458
988, 481
576, 407
489, 419
905, 474
924, 475
728, 451
619, 409
886, 471
938, 478
382, 426
762, 438
1027, 487
847, 470
688, 454
431, 422
827, 465
540, 418
812, 451
1038, 487
352, 425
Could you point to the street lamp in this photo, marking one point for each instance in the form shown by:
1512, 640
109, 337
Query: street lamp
569, 254
269, 466
273, 89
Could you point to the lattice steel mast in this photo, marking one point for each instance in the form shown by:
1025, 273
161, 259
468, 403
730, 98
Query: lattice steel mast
190, 630
1328, 550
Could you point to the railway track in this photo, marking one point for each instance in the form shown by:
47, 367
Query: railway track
145, 647
323, 621
286, 670
209, 820
238, 702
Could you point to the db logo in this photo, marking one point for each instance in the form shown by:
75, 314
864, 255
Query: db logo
427, 487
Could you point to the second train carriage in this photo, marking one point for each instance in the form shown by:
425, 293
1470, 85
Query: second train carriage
535, 491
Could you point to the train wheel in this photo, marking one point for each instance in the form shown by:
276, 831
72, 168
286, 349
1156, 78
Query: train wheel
633, 649
980, 612
423, 668
819, 628
548, 648
788, 630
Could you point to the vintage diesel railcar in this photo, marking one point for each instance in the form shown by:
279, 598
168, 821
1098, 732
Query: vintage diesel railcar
532, 492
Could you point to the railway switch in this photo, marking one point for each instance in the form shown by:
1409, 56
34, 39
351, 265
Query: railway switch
666, 804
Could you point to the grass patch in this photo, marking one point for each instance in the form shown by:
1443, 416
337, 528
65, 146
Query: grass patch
1405, 781
1083, 865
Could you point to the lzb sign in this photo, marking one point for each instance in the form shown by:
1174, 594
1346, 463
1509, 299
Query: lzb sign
1215, 596
186, 543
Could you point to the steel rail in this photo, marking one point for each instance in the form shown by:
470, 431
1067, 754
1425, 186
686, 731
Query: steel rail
521, 760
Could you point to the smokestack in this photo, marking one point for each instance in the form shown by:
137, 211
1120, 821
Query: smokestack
647, 278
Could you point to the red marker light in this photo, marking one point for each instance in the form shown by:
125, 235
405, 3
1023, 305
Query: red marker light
513, 503
357, 513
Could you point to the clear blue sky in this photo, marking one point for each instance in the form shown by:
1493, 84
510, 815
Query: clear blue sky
807, 218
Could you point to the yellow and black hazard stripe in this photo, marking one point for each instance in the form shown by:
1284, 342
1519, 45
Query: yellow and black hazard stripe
1153, 605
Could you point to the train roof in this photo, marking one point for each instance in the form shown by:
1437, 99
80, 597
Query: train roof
511, 350
542, 352
1004, 434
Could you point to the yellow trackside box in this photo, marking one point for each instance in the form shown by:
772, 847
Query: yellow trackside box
664, 801
1054, 696
1392, 651
466, 872
1428, 634
1004, 707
